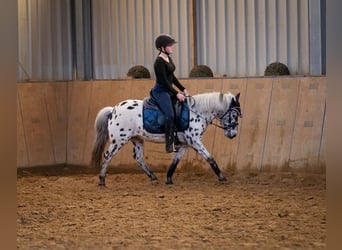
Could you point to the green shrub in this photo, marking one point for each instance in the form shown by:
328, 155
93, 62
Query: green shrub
276, 68
138, 71
201, 71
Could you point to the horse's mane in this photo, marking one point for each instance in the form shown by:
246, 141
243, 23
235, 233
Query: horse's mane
214, 101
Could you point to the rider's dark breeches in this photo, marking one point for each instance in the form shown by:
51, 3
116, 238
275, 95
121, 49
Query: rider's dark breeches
165, 103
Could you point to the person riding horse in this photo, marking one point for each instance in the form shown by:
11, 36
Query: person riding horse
163, 91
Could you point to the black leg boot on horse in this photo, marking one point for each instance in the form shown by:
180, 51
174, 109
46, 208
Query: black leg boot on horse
169, 137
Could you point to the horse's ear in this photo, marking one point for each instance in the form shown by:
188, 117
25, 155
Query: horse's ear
237, 96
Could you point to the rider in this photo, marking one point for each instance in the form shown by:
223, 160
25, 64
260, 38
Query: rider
163, 90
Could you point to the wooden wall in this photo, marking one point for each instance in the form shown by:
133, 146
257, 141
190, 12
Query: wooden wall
283, 125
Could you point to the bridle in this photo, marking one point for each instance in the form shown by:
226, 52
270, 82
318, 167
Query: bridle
223, 117
220, 119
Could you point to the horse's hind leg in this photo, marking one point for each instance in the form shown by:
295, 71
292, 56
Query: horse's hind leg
138, 155
174, 164
108, 155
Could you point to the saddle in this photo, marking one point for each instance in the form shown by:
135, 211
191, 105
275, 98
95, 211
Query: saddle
154, 119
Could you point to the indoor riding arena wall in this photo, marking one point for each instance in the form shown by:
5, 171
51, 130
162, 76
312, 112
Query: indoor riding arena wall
283, 125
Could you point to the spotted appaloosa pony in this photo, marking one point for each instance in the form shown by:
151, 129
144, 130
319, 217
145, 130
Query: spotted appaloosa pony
124, 122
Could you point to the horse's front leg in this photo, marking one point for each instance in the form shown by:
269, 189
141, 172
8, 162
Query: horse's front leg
177, 157
217, 170
199, 147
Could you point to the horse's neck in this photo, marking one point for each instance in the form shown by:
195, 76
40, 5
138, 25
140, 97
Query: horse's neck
208, 106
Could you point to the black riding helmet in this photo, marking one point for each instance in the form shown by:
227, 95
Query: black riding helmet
163, 41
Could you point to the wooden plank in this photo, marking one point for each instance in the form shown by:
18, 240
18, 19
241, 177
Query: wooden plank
225, 149
253, 125
42, 119
281, 123
100, 97
121, 90
156, 157
323, 153
56, 104
22, 157
191, 85
79, 93
308, 125
140, 88
36, 124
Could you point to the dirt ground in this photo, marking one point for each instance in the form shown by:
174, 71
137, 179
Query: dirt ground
67, 210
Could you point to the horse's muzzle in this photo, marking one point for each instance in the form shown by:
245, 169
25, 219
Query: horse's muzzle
230, 133
231, 136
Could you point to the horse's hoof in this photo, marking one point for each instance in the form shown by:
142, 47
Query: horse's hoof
153, 178
154, 181
223, 180
102, 181
168, 182
102, 185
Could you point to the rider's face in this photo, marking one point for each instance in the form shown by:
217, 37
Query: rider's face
168, 49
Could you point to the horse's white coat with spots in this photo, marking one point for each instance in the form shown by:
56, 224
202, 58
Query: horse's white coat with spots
124, 122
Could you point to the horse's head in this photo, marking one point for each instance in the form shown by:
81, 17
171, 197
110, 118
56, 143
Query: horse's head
229, 120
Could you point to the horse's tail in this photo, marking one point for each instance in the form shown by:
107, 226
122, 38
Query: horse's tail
101, 136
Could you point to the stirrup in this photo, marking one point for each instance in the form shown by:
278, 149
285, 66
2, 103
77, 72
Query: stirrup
172, 148
175, 147
169, 148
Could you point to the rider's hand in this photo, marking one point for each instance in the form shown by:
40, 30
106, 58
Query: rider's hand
180, 97
186, 93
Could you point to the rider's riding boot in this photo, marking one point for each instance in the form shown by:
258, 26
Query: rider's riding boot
169, 137
177, 143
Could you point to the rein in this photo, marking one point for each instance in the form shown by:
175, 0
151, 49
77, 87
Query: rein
217, 125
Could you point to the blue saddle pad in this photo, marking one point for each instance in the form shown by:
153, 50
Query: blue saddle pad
154, 119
